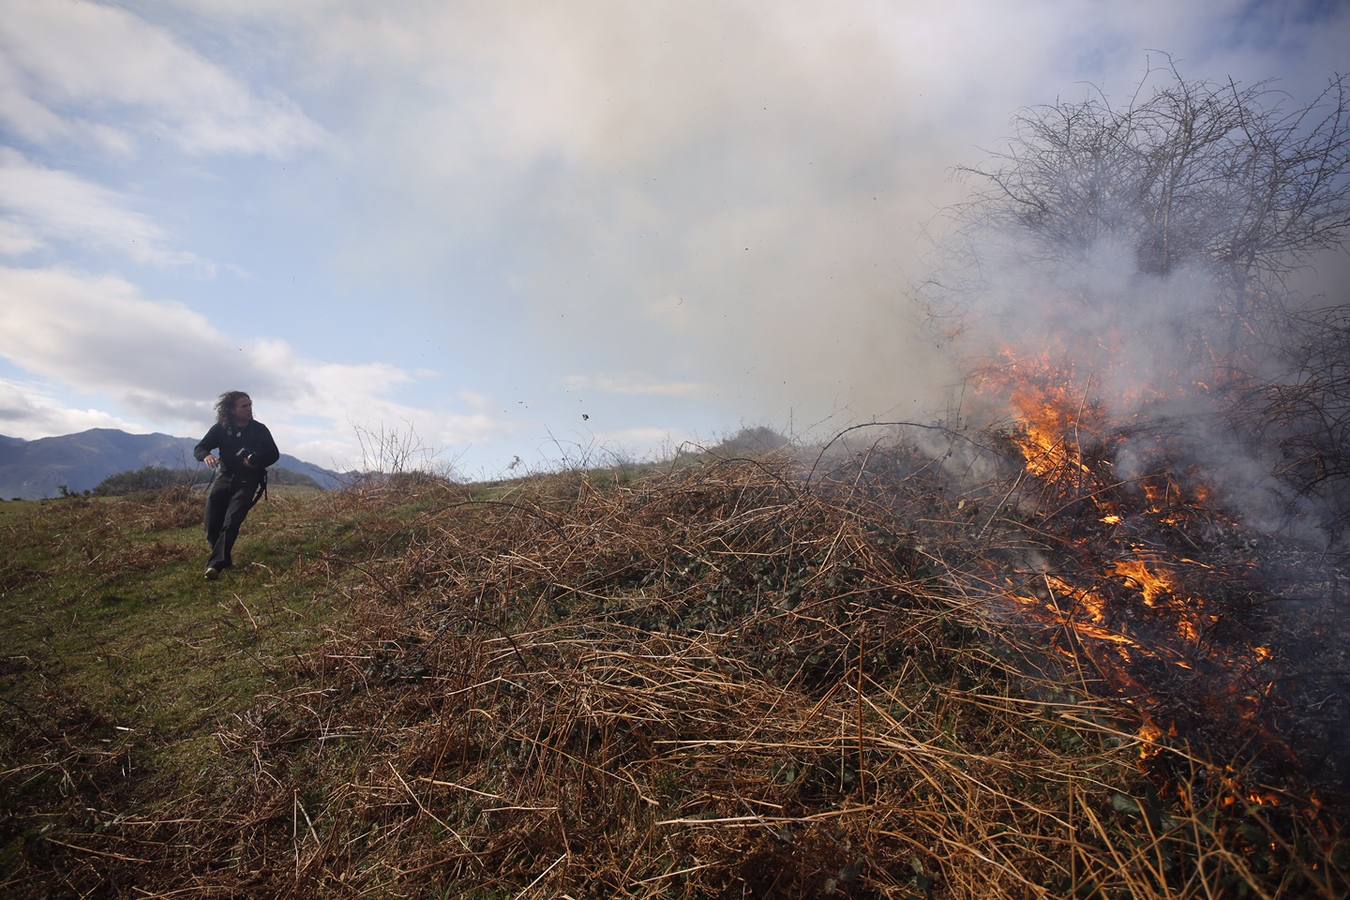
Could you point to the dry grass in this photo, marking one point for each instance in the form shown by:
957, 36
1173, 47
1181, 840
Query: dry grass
720, 681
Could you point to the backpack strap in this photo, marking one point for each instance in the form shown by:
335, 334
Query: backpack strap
261, 492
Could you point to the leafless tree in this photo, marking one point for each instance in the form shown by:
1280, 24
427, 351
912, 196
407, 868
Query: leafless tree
1240, 181
1307, 413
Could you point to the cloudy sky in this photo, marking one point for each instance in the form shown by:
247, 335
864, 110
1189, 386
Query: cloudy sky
524, 229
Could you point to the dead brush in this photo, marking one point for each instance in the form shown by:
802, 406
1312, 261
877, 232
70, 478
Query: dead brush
175, 507
719, 681
138, 558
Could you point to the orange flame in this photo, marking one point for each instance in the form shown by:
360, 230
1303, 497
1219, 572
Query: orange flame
1144, 606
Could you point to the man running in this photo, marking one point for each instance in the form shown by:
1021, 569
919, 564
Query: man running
246, 450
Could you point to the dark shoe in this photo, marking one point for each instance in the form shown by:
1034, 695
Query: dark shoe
212, 573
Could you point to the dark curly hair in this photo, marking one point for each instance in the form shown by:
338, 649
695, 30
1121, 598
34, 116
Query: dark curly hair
225, 405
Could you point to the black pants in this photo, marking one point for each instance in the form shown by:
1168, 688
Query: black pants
228, 502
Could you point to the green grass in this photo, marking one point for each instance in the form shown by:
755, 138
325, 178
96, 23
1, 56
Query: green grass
118, 631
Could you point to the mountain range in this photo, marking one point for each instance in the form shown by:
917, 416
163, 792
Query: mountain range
32, 470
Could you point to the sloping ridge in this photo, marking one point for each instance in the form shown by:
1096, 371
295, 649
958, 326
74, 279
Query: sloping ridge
32, 470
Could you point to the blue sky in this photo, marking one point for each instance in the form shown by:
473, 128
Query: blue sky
484, 220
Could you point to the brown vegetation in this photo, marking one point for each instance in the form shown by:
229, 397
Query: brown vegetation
721, 680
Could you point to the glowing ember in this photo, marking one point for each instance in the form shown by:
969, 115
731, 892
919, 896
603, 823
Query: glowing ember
1154, 587
1149, 735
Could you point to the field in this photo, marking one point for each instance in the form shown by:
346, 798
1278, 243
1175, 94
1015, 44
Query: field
737, 677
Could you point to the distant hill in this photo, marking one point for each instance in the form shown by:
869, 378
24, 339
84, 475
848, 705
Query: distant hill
36, 469
154, 478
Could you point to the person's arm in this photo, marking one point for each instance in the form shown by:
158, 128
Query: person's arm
211, 441
266, 452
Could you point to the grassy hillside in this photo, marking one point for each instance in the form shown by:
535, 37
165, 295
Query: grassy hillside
717, 680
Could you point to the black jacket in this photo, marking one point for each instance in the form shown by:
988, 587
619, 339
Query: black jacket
252, 438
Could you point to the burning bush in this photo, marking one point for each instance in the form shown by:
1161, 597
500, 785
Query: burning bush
1128, 265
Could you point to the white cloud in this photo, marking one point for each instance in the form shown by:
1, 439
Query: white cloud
473, 399
43, 204
70, 62
34, 122
633, 386
17, 239
100, 332
671, 312
29, 118
167, 363
31, 410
